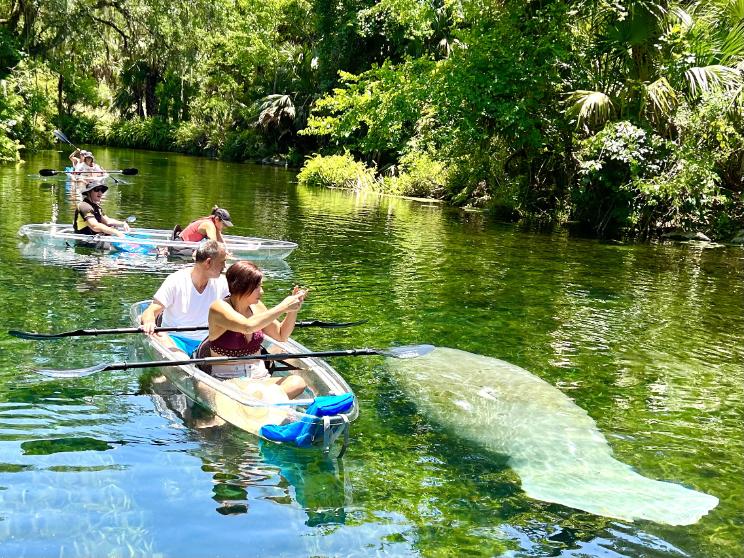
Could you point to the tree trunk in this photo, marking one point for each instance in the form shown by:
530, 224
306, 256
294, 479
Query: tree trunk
151, 101
60, 83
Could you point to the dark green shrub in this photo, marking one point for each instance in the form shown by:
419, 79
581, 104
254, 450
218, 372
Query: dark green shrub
613, 163
244, 145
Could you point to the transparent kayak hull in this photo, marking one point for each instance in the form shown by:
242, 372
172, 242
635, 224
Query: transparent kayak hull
153, 241
238, 408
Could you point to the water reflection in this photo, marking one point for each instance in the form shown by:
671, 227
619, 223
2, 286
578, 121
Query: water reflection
96, 265
245, 468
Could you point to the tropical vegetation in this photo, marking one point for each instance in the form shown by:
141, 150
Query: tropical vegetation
622, 117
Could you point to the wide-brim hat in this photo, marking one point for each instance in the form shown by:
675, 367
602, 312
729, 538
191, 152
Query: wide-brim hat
94, 184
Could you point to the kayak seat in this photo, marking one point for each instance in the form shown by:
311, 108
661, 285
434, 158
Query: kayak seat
302, 432
176, 235
202, 351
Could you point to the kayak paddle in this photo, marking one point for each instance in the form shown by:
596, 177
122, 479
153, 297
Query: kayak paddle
122, 330
62, 137
408, 351
52, 172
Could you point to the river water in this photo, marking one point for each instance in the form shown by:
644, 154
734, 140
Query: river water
646, 338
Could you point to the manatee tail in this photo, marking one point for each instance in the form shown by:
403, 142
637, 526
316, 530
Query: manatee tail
612, 489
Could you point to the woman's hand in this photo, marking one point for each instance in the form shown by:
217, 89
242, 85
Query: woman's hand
294, 301
125, 226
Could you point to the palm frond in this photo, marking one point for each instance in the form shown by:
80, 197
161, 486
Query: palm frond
735, 10
683, 16
716, 77
663, 97
274, 108
732, 49
589, 107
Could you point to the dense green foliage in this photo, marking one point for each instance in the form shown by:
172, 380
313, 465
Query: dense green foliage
623, 116
336, 171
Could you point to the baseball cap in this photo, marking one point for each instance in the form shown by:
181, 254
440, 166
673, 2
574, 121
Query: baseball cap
224, 216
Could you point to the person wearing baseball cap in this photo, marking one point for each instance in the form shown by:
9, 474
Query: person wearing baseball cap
89, 215
210, 227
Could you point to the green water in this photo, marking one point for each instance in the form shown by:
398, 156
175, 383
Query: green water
646, 338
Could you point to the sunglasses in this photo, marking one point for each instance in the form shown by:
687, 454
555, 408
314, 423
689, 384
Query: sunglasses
101, 190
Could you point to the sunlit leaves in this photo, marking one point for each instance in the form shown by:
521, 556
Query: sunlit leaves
662, 96
376, 112
590, 107
712, 78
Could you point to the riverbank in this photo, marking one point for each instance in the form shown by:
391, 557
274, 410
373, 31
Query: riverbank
426, 178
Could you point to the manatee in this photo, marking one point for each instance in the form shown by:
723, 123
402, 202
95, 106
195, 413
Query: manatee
551, 443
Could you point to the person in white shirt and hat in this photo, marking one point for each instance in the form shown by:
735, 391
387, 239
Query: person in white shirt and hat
88, 170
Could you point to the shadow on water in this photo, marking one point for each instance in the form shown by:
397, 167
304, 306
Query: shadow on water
244, 467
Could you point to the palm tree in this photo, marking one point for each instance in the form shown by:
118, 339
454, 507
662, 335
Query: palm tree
647, 55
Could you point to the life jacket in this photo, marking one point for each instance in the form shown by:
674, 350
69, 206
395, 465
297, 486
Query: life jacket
80, 225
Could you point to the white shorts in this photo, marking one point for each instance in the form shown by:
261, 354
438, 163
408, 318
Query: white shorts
253, 370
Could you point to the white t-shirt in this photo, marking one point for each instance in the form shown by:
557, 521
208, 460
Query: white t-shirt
90, 171
184, 305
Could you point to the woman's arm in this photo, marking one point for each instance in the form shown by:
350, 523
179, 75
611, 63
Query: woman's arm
281, 331
208, 229
223, 317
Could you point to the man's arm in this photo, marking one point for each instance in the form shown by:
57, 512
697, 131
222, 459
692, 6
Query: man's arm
110, 221
150, 315
102, 228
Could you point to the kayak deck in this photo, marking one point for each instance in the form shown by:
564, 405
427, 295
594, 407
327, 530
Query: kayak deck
237, 407
154, 241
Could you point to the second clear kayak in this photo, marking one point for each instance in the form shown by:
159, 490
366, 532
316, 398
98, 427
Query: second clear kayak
154, 241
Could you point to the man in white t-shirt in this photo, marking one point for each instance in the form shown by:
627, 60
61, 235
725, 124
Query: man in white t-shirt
185, 296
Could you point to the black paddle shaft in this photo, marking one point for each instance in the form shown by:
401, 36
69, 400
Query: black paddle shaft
224, 360
123, 330
410, 351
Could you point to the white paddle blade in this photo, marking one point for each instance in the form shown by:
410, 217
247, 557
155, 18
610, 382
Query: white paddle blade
72, 373
409, 351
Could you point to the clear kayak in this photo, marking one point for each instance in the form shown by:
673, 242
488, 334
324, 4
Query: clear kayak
95, 263
154, 241
317, 418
